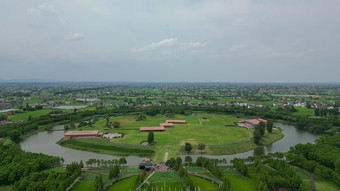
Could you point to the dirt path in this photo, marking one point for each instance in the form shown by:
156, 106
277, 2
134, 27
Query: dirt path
311, 179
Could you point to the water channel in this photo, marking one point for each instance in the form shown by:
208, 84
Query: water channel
45, 142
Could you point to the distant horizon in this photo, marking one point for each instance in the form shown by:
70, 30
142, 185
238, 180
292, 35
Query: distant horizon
37, 80
171, 41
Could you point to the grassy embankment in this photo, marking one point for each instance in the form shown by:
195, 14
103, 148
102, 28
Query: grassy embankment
217, 132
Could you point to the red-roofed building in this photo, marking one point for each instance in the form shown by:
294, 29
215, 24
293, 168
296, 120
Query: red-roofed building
152, 129
176, 121
77, 134
250, 123
166, 124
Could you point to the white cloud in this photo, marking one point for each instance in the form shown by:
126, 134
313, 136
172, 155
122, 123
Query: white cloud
170, 42
47, 7
76, 36
238, 47
34, 12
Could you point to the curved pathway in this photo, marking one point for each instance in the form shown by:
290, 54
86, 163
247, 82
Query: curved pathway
311, 179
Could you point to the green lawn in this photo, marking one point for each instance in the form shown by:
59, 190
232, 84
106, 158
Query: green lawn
202, 184
89, 176
323, 185
304, 111
167, 186
195, 169
24, 116
240, 184
81, 186
167, 176
217, 132
126, 184
130, 171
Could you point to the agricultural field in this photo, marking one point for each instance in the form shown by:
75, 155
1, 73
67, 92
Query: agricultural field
130, 171
195, 169
218, 132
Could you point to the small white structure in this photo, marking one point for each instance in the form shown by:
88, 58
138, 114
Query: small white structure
112, 135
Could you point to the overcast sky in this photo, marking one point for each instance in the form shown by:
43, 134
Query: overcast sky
176, 40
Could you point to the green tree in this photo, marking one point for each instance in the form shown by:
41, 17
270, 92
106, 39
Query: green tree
201, 147
98, 183
115, 124
304, 187
269, 126
66, 127
151, 137
122, 161
114, 172
257, 136
188, 147
15, 136
30, 118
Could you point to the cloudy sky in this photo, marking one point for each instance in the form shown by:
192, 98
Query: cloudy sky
172, 41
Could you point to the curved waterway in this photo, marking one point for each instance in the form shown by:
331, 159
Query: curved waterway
45, 142
292, 136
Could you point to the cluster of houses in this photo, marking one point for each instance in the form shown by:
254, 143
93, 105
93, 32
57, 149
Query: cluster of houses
162, 126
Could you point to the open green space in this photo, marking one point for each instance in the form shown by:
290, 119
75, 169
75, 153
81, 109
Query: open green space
37, 113
201, 184
167, 176
239, 183
126, 184
196, 169
130, 171
167, 186
324, 185
81, 186
90, 176
218, 132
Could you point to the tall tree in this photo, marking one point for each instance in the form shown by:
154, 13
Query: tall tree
269, 126
151, 137
201, 147
98, 183
188, 147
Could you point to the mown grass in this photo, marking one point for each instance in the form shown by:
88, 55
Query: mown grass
37, 113
168, 186
90, 176
126, 184
130, 171
217, 132
167, 176
8, 142
324, 185
304, 111
102, 145
195, 169
240, 184
201, 184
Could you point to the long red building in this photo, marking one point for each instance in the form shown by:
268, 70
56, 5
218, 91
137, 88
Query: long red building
77, 134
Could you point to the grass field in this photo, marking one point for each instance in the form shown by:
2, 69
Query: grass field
217, 132
167, 186
167, 176
102, 145
130, 171
323, 185
24, 116
81, 186
126, 184
240, 184
304, 111
195, 169
202, 184
89, 176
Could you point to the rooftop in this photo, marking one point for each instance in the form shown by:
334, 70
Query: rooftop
75, 133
